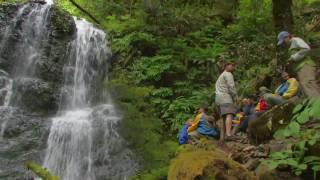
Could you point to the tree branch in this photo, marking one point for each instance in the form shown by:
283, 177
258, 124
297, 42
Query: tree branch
40, 171
84, 11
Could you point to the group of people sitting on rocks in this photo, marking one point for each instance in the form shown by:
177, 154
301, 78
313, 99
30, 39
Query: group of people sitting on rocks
235, 119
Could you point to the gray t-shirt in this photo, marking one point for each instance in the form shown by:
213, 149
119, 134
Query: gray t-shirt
225, 89
302, 47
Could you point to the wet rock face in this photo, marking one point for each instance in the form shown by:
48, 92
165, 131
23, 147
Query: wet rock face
24, 138
7, 13
40, 94
34, 95
61, 31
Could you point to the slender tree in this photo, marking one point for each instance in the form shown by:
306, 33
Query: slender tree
283, 21
282, 15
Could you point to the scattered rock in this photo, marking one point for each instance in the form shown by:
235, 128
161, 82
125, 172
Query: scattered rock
252, 164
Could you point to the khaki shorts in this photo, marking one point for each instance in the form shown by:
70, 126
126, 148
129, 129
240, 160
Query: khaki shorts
227, 108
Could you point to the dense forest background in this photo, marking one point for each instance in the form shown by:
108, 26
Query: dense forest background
167, 56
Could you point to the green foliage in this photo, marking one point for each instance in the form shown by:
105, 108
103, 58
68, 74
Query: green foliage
12, 1
151, 68
297, 157
116, 24
182, 108
254, 18
169, 55
140, 126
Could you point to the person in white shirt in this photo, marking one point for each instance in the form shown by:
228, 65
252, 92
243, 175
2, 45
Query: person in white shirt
226, 95
305, 66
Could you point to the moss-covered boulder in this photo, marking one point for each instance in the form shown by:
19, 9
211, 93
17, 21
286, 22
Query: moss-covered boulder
206, 162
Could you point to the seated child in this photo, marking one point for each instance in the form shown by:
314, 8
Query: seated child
207, 127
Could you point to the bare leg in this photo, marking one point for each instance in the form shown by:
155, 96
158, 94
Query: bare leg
229, 124
235, 130
222, 127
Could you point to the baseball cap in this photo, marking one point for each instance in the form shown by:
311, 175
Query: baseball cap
281, 36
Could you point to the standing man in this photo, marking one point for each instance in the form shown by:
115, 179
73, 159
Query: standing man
226, 94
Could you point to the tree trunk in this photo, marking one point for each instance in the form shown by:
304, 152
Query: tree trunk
283, 21
282, 15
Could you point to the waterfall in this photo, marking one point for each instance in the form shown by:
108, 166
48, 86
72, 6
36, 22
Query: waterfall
42, 67
27, 52
84, 135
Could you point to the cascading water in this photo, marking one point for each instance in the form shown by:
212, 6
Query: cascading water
83, 142
82, 136
27, 52
24, 37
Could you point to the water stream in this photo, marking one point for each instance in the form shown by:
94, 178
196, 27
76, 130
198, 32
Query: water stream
71, 152
27, 53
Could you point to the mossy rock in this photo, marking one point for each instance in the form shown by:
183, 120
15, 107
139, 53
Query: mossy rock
61, 23
206, 162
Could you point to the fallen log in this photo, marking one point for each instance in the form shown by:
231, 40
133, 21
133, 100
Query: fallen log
262, 129
40, 171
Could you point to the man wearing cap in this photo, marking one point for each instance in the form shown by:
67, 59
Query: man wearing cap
304, 65
226, 95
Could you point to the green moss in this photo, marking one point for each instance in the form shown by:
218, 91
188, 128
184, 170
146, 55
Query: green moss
13, 1
206, 162
61, 20
40, 171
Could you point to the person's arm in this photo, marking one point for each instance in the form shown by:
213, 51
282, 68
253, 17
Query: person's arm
231, 85
299, 55
292, 89
195, 123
